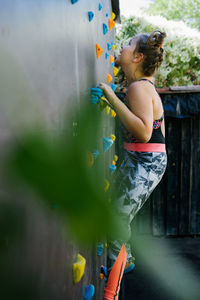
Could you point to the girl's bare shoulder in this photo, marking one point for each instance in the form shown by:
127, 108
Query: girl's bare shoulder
139, 89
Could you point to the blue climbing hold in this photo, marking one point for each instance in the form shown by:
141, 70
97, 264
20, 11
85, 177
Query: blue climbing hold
96, 94
107, 143
113, 64
89, 292
90, 15
105, 28
109, 46
107, 55
112, 168
107, 15
114, 86
100, 6
74, 1
100, 248
95, 154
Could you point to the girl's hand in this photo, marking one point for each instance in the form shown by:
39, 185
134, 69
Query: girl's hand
109, 94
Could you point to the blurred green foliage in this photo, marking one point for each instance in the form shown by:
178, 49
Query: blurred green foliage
182, 49
187, 11
56, 169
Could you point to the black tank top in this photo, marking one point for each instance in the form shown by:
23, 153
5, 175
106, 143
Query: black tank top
157, 135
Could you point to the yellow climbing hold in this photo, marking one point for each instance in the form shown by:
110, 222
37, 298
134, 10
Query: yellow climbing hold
103, 103
115, 71
111, 24
113, 113
90, 159
113, 137
113, 47
99, 51
79, 268
109, 78
112, 59
113, 15
116, 158
107, 184
107, 110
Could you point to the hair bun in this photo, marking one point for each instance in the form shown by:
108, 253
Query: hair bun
156, 38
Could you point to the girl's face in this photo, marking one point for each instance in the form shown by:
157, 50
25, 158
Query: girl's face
129, 60
127, 53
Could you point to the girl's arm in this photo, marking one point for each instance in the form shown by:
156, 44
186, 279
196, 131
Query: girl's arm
139, 118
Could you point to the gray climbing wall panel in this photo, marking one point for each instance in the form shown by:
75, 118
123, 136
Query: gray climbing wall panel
48, 65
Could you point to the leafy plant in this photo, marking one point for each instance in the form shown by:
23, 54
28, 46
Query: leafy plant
182, 48
183, 10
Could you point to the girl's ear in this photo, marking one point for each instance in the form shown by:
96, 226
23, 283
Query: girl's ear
138, 57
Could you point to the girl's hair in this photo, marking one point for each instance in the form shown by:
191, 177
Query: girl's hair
151, 47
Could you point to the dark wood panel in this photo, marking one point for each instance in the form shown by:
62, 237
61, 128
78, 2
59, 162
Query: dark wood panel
195, 188
185, 176
173, 175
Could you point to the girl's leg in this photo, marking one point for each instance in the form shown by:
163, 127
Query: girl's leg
138, 178
114, 280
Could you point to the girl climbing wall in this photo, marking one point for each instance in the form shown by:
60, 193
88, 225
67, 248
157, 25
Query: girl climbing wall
143, 131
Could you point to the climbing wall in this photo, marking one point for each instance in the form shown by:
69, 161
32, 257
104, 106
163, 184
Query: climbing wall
51, 54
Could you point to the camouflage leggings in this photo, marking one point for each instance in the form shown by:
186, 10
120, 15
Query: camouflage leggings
137, 176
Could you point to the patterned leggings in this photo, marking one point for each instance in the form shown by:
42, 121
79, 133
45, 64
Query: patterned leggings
137, 176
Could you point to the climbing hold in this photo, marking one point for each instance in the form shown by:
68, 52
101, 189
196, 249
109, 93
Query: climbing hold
103, 103
107, 15
114, 87
100, 6
107, 110
95, 153
74, 1
115, 71
113, 47
96, 94
90, 159
108, 142
100, 248
113, 64
107, 185
113, 113
109, 78
99, 50
107, 55
112, 59
113, 15
79, 268
109, 46
89, 292
103, 273
105, 28
116, 158
113, 167
111, 24
113, 137
90, 15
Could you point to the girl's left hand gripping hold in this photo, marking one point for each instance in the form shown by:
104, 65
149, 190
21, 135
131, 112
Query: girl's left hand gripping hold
108, 92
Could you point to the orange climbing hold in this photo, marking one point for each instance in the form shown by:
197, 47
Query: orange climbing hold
109, 78
112, 59
99, 51
113, 113
111, 24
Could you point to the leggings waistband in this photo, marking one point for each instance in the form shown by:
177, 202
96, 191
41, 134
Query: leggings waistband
145, 147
